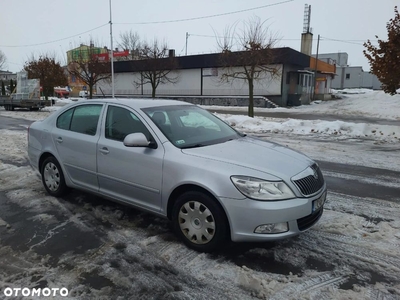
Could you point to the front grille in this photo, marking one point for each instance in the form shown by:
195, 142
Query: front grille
310, 220
312, 183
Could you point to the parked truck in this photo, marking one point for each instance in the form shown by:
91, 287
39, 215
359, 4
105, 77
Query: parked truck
26, 94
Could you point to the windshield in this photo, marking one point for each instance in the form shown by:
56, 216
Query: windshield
188, 126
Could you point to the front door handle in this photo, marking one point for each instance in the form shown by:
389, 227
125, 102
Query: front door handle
59, 140
104, 150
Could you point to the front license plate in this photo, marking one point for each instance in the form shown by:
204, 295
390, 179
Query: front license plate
317, 204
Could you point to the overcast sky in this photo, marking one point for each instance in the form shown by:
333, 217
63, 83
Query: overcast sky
48, 26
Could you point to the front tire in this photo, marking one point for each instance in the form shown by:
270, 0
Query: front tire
53, 177
199, 221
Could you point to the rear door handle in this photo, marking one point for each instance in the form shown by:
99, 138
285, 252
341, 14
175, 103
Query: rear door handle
104, 150
59, 140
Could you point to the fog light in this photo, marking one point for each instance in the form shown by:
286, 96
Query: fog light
272, 228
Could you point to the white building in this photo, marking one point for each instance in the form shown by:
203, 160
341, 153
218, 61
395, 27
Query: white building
7, 76
200, 76
349, 76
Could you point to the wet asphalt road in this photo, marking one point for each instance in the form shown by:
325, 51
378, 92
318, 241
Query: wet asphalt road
13, 123
355, 187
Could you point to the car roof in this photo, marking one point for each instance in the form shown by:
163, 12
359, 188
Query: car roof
138, 102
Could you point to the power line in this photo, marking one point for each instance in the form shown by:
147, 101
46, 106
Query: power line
144, 23
14, 63
348, 41
206, 17
50, 42
295, 39
342, 41
219, 36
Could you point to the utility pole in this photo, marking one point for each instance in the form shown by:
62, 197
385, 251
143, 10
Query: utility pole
112, 57
187, 36
315, 70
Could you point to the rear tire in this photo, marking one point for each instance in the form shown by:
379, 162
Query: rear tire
199, 221
53, 177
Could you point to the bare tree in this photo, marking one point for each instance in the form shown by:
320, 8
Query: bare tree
157, 66
253, 58
89, 67
130, 41
3, 60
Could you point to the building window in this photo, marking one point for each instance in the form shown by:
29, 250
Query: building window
207, 72
288, 78
348, 76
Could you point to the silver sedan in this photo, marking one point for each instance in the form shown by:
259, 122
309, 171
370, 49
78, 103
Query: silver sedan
178, 161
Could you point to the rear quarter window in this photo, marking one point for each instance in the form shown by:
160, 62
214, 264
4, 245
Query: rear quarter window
64, 120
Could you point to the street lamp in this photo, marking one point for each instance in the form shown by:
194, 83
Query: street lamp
112, 57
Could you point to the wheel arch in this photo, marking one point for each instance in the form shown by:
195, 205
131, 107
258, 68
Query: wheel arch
192, 187
62, 186
42, 158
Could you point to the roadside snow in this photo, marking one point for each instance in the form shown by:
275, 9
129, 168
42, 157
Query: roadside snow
355, 102
375, 104
304, 127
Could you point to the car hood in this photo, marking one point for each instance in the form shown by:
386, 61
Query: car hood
255, 154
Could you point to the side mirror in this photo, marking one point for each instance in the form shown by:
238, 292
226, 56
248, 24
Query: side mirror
137, 139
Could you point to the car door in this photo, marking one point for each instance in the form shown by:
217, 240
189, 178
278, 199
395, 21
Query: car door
130, 174
75, 138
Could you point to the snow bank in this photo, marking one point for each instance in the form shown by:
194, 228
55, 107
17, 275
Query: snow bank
374, 104
351, 91
355, 102
385, 133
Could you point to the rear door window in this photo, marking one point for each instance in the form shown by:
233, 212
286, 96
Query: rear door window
83, 119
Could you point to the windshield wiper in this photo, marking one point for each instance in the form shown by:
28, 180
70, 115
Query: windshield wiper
194, 146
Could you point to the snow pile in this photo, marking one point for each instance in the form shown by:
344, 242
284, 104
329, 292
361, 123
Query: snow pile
62, 100
356, 102
374, 104
50, 109
29, 115
305, 127
13, 146
351, 91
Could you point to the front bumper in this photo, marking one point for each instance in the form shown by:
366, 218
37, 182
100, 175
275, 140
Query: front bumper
246, 215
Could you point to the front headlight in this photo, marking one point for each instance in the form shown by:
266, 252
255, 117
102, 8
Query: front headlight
259, 189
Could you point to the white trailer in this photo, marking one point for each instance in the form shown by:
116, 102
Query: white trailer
26, 95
